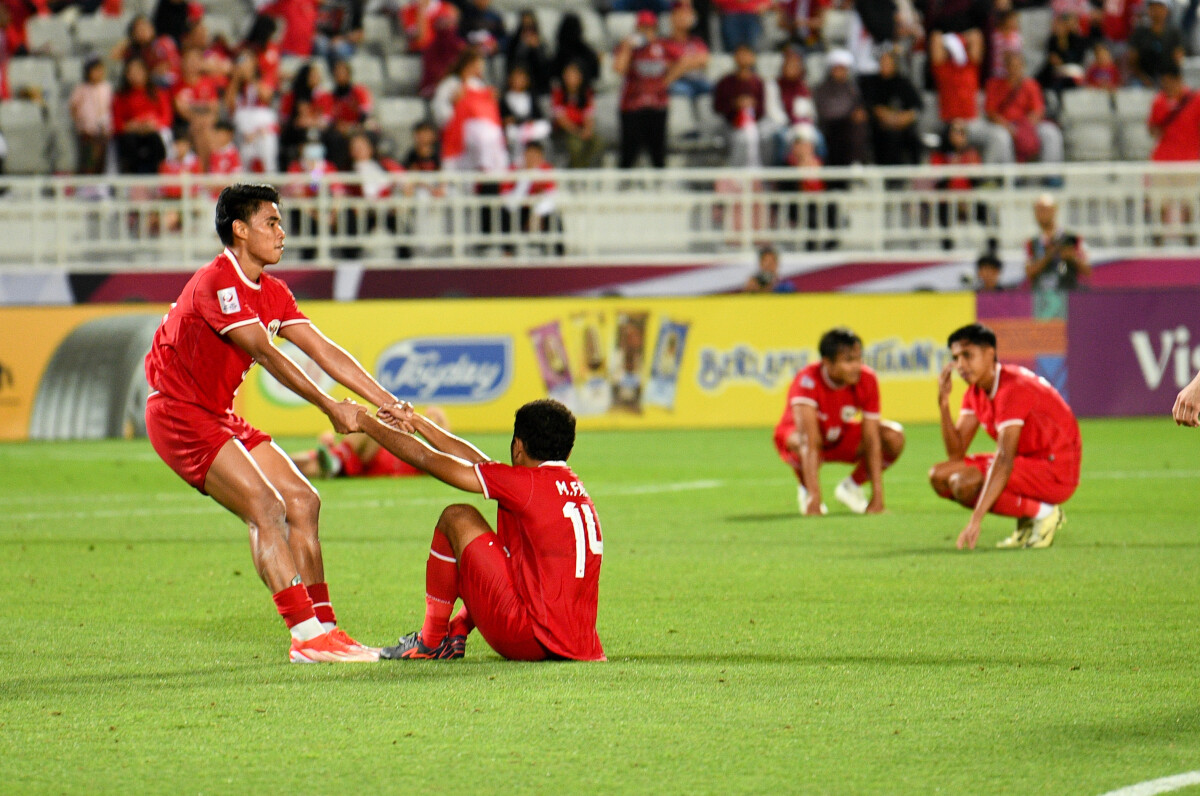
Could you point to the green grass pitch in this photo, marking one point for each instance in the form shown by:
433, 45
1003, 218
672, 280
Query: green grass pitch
751, 650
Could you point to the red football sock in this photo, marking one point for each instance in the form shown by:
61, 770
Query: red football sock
294, 605
860, 475
461, 624
319, 594
441, 589
1010, 505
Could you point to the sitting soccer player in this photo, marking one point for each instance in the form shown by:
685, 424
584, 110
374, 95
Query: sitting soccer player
358, 455
531, 585
818, 425
1036, 464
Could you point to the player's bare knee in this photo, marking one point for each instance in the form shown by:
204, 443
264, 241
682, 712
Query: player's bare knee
963, 487
459, 521
303, 503
893, 439
268, 512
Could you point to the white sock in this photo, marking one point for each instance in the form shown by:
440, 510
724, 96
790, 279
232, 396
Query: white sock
328, 626
1044, 510
307, 630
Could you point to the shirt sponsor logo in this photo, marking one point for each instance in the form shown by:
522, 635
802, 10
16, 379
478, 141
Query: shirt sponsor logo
228, 299
461, 370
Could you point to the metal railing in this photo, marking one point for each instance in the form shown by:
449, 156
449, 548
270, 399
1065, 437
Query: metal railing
602, 217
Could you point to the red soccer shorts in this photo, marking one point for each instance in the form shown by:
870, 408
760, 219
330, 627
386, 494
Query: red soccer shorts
488, 593
1040, 479
845, 449
188, 438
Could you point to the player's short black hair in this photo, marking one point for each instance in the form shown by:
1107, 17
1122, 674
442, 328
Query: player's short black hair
973, 334
546, 428
835, 340
240, 202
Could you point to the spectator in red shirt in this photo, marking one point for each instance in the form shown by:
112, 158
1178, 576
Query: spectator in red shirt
1175, 119
955, 60
443, 51
196, 102
352, 102
159, 53
1014, 104
815, 213
690, 50
260, 42
573, 110
417, 19
957, 150
740, 98
788, 103
648, 69
141, 119
532, 201
1104, 72
299, 20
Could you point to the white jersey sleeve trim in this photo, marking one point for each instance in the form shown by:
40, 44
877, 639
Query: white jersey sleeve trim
872, 415
1008, 423
236, 325
294, 321
482, 482
800, 399
965, 411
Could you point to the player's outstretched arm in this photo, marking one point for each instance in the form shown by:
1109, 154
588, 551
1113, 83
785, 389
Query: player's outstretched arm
253, 339
337, 362
1187, 405
993, 484
452, 470
444, 441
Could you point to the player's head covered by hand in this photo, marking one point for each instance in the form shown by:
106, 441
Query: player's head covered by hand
546, 430
239, 203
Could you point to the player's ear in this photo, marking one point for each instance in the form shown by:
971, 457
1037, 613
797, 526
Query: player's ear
241, 232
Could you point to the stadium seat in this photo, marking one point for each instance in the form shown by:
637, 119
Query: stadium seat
1091, 140
70, 73
1191, 71
835, 28
1133, 108
221, 25
26, 133
768, 64
396, 116
548, 20
1086, 104
620, 25
403, 74
368, 70
97, 33
681, 120
719, 65
608, 116
49, 35
35, 72
814, 68
594, 32
378, 35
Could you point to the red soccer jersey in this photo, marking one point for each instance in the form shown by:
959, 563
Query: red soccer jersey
1021, 398
191, 359
549, 526
1179, 122
645, 83
836, 406
958, 89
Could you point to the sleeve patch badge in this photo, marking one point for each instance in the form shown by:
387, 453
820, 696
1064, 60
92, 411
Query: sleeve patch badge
229, 300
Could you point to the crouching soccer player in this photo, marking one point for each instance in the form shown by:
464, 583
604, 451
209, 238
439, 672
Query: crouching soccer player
819, 425
530, 586
1038, 450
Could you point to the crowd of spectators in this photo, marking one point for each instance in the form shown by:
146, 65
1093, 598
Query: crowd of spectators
494, 90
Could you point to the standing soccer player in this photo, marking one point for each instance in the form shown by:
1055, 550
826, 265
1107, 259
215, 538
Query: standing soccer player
222, 323
531, 585
1038, 450
819, 424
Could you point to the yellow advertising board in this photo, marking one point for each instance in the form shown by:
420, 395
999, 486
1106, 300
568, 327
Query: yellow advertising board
719, 361
74, 372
